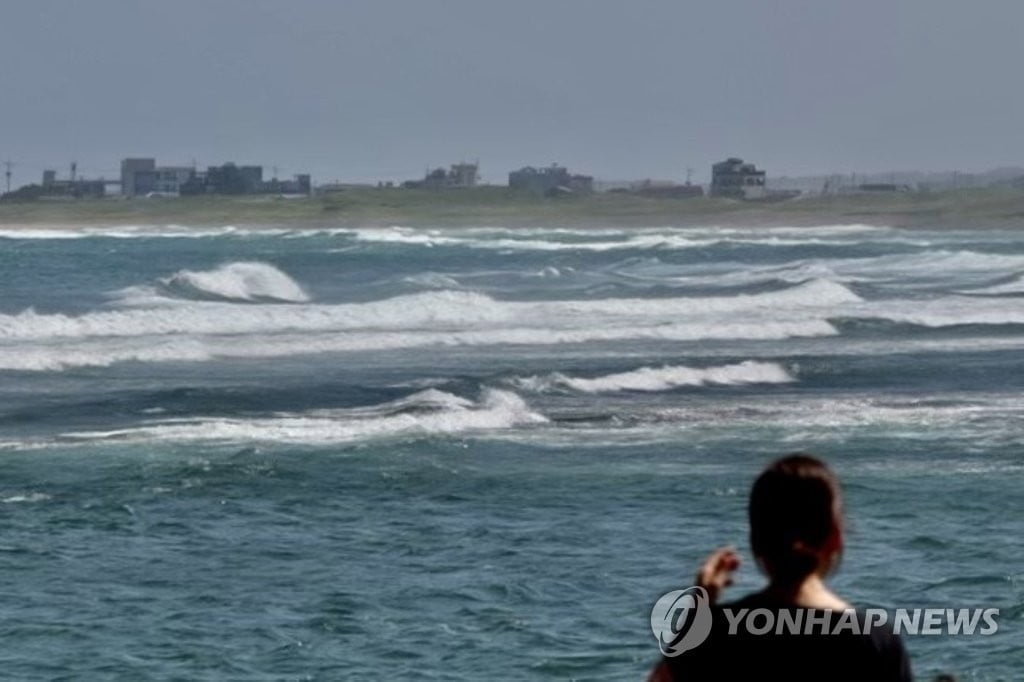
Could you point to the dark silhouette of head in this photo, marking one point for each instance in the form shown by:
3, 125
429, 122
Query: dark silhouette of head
796, 526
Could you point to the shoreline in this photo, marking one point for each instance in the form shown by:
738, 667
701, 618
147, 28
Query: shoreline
491, 206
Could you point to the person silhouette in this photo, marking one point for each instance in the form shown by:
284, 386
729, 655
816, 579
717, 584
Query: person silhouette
796, 535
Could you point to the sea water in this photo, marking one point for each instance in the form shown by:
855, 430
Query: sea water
485, 453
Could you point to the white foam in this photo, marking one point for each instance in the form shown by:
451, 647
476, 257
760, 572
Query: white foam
134, 232
662, 378
432, 280
416, 416
239, 281
947, 311
98, 352
930, 266
426, 310
799, 421
26, 497
186, 330
613, 239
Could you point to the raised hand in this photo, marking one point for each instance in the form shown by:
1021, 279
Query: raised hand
716, 573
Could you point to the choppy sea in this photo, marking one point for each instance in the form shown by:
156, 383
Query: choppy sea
462, 454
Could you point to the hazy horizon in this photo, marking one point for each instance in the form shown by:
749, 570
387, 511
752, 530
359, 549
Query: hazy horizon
369, 91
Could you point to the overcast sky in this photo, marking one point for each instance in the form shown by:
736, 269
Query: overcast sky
381, 89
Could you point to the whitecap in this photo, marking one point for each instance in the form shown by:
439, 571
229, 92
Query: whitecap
661, 378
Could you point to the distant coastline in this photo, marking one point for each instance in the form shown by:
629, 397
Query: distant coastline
991, 207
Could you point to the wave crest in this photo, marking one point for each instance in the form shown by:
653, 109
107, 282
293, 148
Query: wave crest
661, 378
425, 413
238, 281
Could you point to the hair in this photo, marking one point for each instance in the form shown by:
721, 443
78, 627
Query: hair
796, 517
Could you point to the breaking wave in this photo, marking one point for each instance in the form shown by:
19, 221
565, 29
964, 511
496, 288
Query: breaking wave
196, 329
172, 348
434, 310
240, 281
660, 378
426, 413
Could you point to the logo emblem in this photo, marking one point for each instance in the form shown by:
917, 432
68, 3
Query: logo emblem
681, 620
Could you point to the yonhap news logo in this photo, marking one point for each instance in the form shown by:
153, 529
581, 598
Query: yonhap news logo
682, 620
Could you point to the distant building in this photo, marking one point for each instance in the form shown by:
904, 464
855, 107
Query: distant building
463, 175
142, 177
233, 179
459, 176
73, 188
549, 180
300, 184
129, 169
161, 180
736, 179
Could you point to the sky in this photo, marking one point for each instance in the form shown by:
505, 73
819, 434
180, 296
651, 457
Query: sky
367, 90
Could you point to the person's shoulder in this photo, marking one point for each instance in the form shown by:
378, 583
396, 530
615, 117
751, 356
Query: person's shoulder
818, 637
887, 645
755, 635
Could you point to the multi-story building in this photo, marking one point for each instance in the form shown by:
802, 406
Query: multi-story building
736, 179
129, 169
162, 180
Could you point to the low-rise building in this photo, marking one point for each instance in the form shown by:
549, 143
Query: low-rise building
142, 177
549, 180
459, 176
738, 180
232, 179
73, 188
300, 184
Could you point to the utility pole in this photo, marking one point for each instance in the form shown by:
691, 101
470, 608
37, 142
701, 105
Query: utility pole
7, 174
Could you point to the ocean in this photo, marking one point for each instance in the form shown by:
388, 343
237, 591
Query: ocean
461, 454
